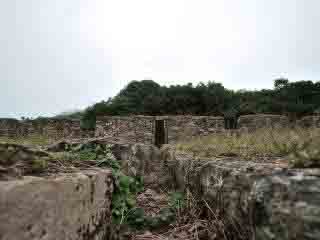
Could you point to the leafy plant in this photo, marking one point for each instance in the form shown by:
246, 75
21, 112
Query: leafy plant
87, 155
176, 200
124, 195
88, 119
126, 188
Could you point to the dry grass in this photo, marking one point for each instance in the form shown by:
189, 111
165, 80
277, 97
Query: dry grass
198, 220
67, 162
260, 143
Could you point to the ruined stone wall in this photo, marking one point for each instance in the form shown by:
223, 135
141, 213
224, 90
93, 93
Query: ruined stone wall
140, 129
276, 202
257, 121
182, 127
70, 206
127, 129
8, 127
310, 121
50, 128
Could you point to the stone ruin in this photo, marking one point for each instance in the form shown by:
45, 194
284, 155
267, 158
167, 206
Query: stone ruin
51, 128
142, 129
278, 202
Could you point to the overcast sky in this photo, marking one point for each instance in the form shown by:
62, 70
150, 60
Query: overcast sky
60, 55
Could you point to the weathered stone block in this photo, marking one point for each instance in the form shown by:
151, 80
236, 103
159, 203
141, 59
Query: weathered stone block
278, 203
288, 205
71, 206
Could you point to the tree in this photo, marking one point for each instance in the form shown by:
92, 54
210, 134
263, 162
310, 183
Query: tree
88, 120
149, 98
280, 83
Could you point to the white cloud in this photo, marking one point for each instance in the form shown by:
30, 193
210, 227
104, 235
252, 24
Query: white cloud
59, 55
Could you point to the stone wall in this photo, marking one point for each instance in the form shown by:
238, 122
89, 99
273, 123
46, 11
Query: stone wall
257, 121
140, 129
273, 200
181, 127
280, 203
310, 121
9, 127
50, 128
126, 129
71, 206
276, 201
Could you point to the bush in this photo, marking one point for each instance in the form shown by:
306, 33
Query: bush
88, 119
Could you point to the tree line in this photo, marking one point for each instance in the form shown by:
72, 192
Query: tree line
294, 99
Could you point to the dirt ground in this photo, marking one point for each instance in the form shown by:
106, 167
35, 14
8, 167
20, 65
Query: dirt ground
152, 202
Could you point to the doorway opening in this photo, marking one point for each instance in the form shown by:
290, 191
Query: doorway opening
161, 136
230, 123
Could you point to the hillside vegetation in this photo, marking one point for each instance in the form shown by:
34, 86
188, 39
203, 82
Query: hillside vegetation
146, 97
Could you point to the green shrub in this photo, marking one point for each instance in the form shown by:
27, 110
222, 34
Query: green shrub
126, 188
124, 196
88, 119
176, 200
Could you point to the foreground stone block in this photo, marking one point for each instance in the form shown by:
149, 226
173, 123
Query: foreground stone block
70, 206
288, 205
142, 160
271, 200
